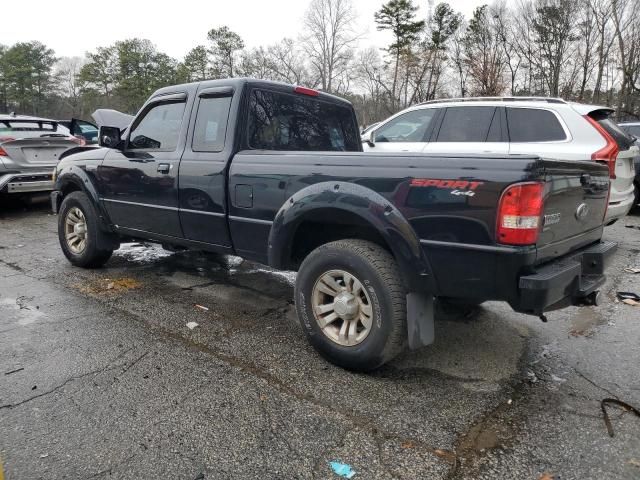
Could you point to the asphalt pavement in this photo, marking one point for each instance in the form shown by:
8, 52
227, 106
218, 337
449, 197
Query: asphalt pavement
100, 377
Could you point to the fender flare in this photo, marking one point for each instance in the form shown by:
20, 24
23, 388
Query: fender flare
371, 207
74, 175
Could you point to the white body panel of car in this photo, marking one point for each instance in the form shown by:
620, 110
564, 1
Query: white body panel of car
550, 128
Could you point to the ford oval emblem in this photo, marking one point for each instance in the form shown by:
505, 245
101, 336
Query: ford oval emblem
582, 211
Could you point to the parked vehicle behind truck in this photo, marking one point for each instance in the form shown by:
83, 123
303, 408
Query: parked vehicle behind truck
29, 149
275, 174
547, 127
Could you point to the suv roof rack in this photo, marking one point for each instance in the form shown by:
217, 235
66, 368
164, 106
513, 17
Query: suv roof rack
497, 99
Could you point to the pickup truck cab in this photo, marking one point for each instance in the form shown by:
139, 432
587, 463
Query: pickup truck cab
275, 173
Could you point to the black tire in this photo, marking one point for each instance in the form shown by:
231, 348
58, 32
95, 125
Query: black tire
378, 272
91, 256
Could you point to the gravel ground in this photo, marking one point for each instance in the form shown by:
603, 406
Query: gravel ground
101, 378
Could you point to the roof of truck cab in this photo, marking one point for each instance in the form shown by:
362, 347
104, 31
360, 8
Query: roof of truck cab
242, 82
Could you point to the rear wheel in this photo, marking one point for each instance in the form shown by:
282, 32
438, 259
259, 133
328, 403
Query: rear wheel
79, 232
351, 303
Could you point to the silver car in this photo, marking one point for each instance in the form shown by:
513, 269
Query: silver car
548, 127
30, 148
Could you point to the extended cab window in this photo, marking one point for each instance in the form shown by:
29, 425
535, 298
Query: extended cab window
159, 129
533, 125
466, 124
282, 121
211, 124
410, 127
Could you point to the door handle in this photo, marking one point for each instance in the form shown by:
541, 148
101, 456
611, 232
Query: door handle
164, 168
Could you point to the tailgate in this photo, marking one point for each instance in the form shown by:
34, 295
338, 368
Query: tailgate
37, 151
575, 204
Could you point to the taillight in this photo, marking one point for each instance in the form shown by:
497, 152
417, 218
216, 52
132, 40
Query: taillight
608, 153
3, 152
306, 91
520, 214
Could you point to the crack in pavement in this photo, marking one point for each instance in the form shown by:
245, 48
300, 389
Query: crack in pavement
96, 372
594, 383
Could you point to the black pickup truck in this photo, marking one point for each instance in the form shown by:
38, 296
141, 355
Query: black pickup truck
276, 174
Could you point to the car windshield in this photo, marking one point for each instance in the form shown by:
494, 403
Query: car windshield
18, 129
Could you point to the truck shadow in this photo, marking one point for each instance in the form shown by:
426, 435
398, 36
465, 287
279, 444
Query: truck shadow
16, 207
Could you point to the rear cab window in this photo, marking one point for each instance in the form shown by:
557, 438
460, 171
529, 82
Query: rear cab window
294, 122
531, 125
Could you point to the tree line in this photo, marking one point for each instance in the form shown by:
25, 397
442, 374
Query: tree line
583, 50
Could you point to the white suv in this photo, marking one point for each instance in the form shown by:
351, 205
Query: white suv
548, 127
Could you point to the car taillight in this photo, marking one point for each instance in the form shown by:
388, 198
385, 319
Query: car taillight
607, 154
3, 152
520, 214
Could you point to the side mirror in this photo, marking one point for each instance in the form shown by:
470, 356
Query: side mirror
109, 137
370, 138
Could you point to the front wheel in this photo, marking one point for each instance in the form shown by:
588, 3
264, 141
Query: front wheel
79, 232
352, 305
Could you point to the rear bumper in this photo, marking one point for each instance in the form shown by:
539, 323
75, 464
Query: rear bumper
566, 281
518, 275
618, 208
26, 182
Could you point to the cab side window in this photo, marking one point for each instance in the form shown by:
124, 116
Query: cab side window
410, 127
159, 129
211, 124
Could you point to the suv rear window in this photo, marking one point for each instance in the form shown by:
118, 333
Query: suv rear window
528, 125
466, 124
281, 121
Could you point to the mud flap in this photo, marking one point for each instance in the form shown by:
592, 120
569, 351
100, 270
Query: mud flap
420, 328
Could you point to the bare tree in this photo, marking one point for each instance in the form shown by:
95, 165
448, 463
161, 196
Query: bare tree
484, 56
330, 40
70, 84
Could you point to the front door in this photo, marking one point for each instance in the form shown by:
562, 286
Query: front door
407, 132
140, 182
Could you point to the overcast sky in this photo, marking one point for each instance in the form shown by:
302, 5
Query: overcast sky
174, 27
